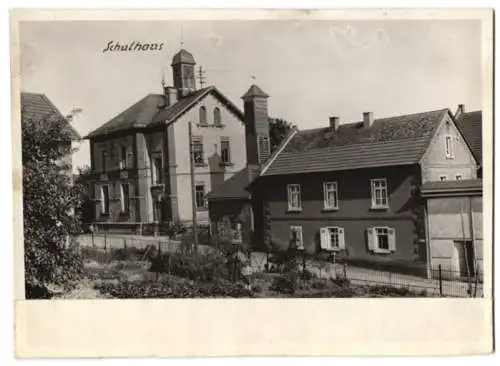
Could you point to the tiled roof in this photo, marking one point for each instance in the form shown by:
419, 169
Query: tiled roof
470, 124
400, 140
149, 111
236, 186
452, 187
37, 106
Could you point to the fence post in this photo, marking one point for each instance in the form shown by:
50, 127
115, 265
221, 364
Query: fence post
159, 260
440, 281
93, 244
105, 241
124, 243
390, 278
345, 270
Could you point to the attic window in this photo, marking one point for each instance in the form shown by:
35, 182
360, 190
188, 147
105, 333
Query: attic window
217, 119
448, 147
203, 116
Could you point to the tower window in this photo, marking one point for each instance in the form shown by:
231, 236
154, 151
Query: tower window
264, 148
217, 119
203, 116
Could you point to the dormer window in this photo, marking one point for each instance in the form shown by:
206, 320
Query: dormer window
203, 116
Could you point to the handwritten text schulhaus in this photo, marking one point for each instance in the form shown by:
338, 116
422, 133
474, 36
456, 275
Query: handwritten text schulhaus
133, 46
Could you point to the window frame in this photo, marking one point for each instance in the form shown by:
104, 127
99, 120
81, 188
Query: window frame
326, 238
373, 188
448, 149
335, 191
263, 148
225, 140
198, 141
373, 242
104, 203
124, 204
289, 188
217, 117
104, 160
123, 157
203, 116
156, 172
203, 205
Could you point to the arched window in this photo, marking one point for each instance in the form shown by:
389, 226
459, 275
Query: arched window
217, 121
203, 116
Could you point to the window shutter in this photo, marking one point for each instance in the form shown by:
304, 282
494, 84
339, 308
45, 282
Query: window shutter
370, 233
392, 239
341, 238
324, 238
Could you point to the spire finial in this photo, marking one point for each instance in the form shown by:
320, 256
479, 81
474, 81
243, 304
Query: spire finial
163, 78
182, 35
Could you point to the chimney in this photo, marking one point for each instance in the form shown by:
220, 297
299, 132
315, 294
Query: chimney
460, 110
334, 123
170, 94
367, 119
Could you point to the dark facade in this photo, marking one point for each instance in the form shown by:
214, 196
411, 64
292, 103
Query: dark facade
354, 214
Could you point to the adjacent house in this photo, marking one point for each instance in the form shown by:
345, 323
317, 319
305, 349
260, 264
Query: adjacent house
350, 189
38, 107
354, 188
140, 159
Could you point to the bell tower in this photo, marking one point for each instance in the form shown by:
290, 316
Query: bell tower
256, 126
183, 71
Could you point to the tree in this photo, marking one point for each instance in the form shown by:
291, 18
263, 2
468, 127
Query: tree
278, 131
50, 201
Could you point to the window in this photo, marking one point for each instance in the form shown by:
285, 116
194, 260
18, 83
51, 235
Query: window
458, 177
379, 193
294, 199
203, 116
264, 149
104, 156
198, 157
104, 199
382, 240
332, 238
156, 167
296, 237
330, 194
125, 197
123, 157
442, 178
448, 147
217, 120
200, 195
225, 151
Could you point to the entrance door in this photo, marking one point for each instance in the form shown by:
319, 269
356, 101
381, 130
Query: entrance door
465, 258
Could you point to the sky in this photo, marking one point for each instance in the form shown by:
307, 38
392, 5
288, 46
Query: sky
311, 69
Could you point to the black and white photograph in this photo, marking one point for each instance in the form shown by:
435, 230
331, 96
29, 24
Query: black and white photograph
255, 158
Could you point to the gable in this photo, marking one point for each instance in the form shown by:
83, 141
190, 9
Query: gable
436, 151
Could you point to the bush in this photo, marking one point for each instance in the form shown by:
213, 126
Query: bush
286, 284
173, 288
390, 291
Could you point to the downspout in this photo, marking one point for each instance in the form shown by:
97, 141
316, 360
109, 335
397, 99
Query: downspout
472, 234
427, 240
